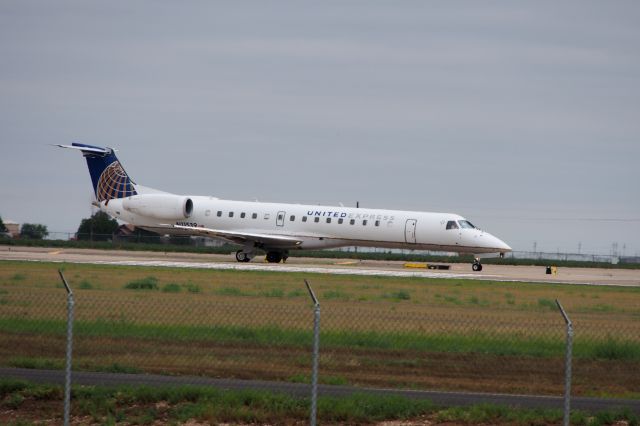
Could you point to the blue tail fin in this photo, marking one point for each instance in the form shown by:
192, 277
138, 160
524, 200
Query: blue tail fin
107, 175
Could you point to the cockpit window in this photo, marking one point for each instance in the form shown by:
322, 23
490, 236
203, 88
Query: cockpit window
465, 224
452, 224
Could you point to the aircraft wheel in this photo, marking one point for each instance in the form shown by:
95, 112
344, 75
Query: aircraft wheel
274, 257
242, 256
477, 266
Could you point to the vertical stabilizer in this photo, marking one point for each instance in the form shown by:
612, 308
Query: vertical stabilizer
109, 179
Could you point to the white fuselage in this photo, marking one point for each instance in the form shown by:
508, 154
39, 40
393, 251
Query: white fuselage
318, 227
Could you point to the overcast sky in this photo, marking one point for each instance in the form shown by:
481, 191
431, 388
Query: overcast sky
522, 117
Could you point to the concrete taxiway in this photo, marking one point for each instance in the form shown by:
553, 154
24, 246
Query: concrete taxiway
587, 276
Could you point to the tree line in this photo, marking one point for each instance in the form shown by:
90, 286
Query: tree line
33, 231
99, 227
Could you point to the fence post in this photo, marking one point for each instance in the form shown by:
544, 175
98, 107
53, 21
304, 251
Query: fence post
67, 370
316, 355
567, 366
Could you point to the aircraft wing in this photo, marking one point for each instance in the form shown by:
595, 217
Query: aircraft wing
242, 237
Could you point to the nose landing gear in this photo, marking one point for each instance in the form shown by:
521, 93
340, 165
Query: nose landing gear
477, 266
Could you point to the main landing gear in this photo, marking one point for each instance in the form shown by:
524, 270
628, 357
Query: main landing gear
242, 256
277, 256
272, 256
477, 266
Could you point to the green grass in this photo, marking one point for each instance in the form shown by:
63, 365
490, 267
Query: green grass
600, 307
171, 288
493, 344
139, 404
613, 349
18, 277
335, 294
453, 300
36, 363
397, 295
229, 291
275, 292
296, 293
510, 298
148, 283
116, 368
192, 288
547, 304
59, 364
323, 379
85, 285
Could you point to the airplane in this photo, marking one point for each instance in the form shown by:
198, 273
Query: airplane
275, 228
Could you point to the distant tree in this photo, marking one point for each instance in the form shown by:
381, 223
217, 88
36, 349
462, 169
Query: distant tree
33, 231
2, 227
99, 227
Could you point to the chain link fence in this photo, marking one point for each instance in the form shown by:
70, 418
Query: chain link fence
455, 341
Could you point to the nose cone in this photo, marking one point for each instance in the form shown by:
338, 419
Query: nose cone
500, 245
504, 247
495, 244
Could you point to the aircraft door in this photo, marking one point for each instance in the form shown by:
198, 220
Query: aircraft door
410, 231
280, 218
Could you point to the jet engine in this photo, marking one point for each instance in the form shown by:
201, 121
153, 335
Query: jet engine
159, 206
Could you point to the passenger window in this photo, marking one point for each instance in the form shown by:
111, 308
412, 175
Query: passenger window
254, 216
364, 222
340, 221
328, 220
292, 218
230, 214
352, 222
219, 213
452, 224
316, 219
242, 215
280, 217
377, 223
304, 218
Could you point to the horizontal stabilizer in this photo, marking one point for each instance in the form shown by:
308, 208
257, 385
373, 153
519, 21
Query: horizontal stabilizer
87, 148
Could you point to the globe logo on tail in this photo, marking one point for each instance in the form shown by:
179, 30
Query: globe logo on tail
114, 183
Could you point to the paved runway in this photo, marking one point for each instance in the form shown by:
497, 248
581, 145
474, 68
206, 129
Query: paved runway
588, 276
303, 390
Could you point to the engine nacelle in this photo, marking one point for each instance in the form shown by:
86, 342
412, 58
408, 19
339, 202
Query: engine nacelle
159, 206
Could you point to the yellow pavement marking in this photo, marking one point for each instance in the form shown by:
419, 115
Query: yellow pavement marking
416, 265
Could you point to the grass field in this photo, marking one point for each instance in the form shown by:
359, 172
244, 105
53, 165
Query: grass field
401, 332
23, 403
